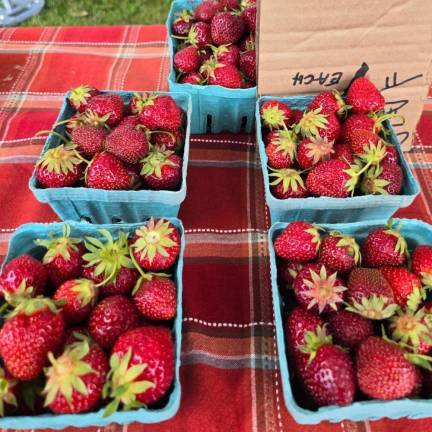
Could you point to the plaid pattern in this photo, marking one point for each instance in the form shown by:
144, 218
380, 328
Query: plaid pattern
230, 378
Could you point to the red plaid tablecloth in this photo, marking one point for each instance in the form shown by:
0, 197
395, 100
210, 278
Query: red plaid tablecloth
229, 375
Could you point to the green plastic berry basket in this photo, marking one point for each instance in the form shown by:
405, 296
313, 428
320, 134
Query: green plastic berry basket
327, 209
215, 108
22, 243
111, 206
416, 232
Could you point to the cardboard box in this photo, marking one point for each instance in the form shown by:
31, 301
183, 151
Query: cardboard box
307, 47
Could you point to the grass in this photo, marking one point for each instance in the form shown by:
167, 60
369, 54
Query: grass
100, 12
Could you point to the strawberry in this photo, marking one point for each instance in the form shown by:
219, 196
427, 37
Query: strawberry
356, 122
332, 178
75, 379
349, 329
249, 15
199, 35
156, 299
361, 140
182, 24
227, 54
296, 116
281, 148
220, 74
385, 247
60, 166
369, 294
160, 112
205, 54
318, 290
110, 105
313, 150
226, 28
130, 121
186, 60
422, 264
8, 393
315, 123
383, 371
330, 102
298, 242
162, 170
63, 258
392, 156
342, 151
364, 97
33, 329
106, 171
108, 263
339, 252
275, 114
229, 4
170, 141
191, 78
23, 268
80, 96
156, 245
287, 183
135, 180
79, 297
247, 43
77, 119
89, 139
248, 64
287, 271
207, 10
412, 329
112, 317
142, 367
406, 286
329, 375
129, 145
384, 179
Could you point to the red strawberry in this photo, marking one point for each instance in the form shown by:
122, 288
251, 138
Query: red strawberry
392, 155
229, 4
191, 78
330, 102
332, 178
106, 171
182, 24
281, 148
221, 74
227, 54
287, 271
168, 140
129, 145
413, 329
135, 180
207, 10
77, 119
384, 247
313, 150
248, 64
249, 15
60, 166
383, 372
314, 123
63, 258
364, 97
33, 329
107, 105
384, 179
23, 268
339, 252
156, 299
298, 242
226, 28
287, 183
76, 378
369, 294
200, 35
356, 122
319, 290
361, 140
160, 112
349, 329
295, 117
89, 139
130, 121
156, 245
109, 263
79, 297
422, 264
112, 317
186, 60
149, 353
80, 96
342, 151
8, 394
162, 170
275, 114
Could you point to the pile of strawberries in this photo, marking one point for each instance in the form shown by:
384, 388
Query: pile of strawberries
336, 148
217, 44
357, 321
113, 146
89, 325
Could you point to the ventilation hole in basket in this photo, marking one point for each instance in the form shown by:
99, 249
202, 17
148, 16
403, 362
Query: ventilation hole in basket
209, 124
243, 124
86, 219
116, 219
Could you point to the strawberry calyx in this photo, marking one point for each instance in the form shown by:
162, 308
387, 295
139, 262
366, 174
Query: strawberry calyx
80, 95
72, 122
375, 307
290, 178
89, 117
426, 279
22, 292
354, 174
314, 232
323, 290
380, 117
350, 243
192, 37
7, 395
65, 374
58, 246
286, 142
319, 149
373, 154
61, 159
401, 245
343, 106
153, 163
148, 277
122, 385
141, 100
86, 291
372, 184
185, 15
208, 68
274, 117
311, 122
30, 306
314, 340
109, 256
